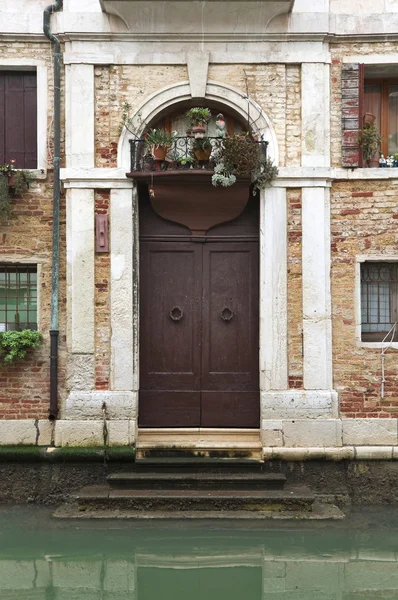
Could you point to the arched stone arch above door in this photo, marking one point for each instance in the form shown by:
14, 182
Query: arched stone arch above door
216, 92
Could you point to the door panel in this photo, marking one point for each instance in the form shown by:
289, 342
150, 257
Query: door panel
170, 329
230, 346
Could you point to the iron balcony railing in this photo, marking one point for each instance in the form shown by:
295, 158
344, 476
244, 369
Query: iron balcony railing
180, 155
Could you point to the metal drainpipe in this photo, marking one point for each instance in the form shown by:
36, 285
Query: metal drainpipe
54, 331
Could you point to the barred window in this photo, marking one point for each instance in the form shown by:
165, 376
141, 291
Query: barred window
18, 297
379, 300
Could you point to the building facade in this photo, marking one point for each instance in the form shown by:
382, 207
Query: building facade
271, 331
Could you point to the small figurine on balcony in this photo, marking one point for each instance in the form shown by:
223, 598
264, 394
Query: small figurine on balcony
382, 161
221, 126
390, 160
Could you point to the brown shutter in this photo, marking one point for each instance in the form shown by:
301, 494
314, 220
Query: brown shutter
30, 107
2, 121
21, 119
351, 112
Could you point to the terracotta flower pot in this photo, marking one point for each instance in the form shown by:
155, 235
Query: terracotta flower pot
373, 163
159, 152
11, 180
199, 132
369, 118
202, 154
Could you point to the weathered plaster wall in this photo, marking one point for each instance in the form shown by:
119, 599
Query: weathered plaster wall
363, 222
27, 237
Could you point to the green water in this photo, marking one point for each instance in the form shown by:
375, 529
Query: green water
45, 559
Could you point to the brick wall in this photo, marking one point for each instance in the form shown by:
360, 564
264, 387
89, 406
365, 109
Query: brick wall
364, 222
276, 88
24, 387
294, 287
102, 306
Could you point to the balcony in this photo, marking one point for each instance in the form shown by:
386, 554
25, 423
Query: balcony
181, 156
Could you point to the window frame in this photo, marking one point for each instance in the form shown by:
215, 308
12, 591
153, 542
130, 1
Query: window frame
384, 112
40, 66
358, 304
28, 262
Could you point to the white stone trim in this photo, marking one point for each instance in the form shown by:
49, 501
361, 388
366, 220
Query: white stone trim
85, 405
358, 317
284, 439
298, 404
79, 115
121, 301
42, 100
317, 325
273, 290
372, 59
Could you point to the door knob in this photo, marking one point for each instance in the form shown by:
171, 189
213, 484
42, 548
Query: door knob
226, 314
176, 313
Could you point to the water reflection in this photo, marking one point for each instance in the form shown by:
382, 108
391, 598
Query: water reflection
48, 560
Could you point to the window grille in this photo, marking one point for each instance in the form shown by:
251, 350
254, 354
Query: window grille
379, 299
18, 297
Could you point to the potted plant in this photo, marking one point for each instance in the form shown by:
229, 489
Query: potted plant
202, 149
369, 118
15, 345
185, 161
240, 156
12, 182
369, 140
199, 117
159, 142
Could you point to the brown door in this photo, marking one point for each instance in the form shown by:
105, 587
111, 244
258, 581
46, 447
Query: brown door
199, 364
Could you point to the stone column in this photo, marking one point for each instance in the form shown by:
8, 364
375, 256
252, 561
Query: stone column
315, 102
273, 290
80, 115
80, 287
317, 325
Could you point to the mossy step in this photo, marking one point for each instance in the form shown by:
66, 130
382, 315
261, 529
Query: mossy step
103, 497
198, 480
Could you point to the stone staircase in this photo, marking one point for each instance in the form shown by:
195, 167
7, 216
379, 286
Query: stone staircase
196, 488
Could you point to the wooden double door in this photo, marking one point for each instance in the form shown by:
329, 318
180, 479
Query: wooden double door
199, 329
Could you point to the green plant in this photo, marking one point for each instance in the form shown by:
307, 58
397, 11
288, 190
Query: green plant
14, 345
185, 160
199, 115
201, 144
11, 179
156, 138
240, 156
369, 140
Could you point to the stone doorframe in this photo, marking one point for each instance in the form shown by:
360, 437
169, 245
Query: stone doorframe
277, 402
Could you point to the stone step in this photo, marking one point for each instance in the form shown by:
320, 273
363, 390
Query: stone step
197, 481
294, 498
168, 459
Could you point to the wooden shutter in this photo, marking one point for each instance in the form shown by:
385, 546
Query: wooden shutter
2, 121
351, 112
18, 118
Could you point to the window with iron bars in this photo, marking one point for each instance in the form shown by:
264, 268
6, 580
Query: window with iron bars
18, 297
379, 301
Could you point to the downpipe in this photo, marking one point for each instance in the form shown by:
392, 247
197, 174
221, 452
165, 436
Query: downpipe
54, 328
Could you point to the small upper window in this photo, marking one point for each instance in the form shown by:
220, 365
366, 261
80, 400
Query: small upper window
379, 301
381, 99
18, 297
18, 118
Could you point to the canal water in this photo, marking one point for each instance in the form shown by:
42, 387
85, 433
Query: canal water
46, 559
